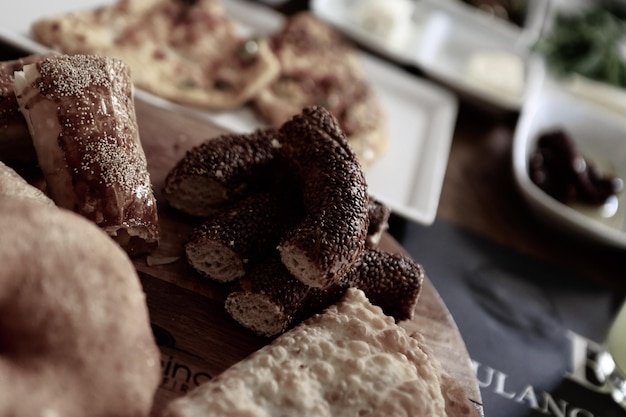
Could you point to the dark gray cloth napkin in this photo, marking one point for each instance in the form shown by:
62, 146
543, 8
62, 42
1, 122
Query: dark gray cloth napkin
532, 329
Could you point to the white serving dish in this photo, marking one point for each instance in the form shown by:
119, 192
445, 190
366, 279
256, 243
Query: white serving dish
600, 136
453, 37
441, 39
533, 20
421, 115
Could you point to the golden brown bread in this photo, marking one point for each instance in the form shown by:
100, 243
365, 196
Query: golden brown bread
75, 337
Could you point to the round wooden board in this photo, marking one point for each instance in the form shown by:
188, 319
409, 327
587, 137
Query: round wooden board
198, 339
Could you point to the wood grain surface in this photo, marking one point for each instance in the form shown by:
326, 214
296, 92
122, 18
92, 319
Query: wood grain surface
198, 339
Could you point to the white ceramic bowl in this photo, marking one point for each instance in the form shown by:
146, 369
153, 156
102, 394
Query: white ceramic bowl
600, 136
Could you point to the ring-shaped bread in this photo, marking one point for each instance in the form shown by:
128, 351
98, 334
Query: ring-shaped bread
332, 234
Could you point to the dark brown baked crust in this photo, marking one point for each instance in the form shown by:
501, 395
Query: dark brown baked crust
331, 237
221, 171
235, 239
378, 214
285, 202
268, 299
391, 281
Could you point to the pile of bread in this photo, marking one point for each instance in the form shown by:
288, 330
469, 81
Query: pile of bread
75, 335
288, 223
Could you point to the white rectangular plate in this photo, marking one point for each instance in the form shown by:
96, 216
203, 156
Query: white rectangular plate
421, 116
441, 36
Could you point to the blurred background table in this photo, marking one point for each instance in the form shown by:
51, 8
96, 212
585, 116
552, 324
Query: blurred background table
479, 193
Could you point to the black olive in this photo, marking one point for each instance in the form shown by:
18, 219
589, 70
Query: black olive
561, 171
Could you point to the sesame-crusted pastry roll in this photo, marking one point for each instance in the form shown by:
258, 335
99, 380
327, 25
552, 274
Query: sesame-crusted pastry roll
391, 281
81, 116
267, 298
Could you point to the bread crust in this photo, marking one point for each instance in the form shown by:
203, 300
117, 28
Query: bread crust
231, 242
268, 299
74, 330
221, 171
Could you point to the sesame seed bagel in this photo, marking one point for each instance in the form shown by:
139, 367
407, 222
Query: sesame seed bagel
268, 299
332, 234
220, 171
391, 281
232, 241
75, 336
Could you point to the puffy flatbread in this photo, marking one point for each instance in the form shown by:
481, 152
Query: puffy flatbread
187, 51
350, 360
75, 327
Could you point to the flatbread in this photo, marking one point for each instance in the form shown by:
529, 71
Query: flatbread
350, 360
188, 52
319, 67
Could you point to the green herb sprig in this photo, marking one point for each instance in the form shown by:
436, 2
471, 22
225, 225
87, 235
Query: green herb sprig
592, 44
